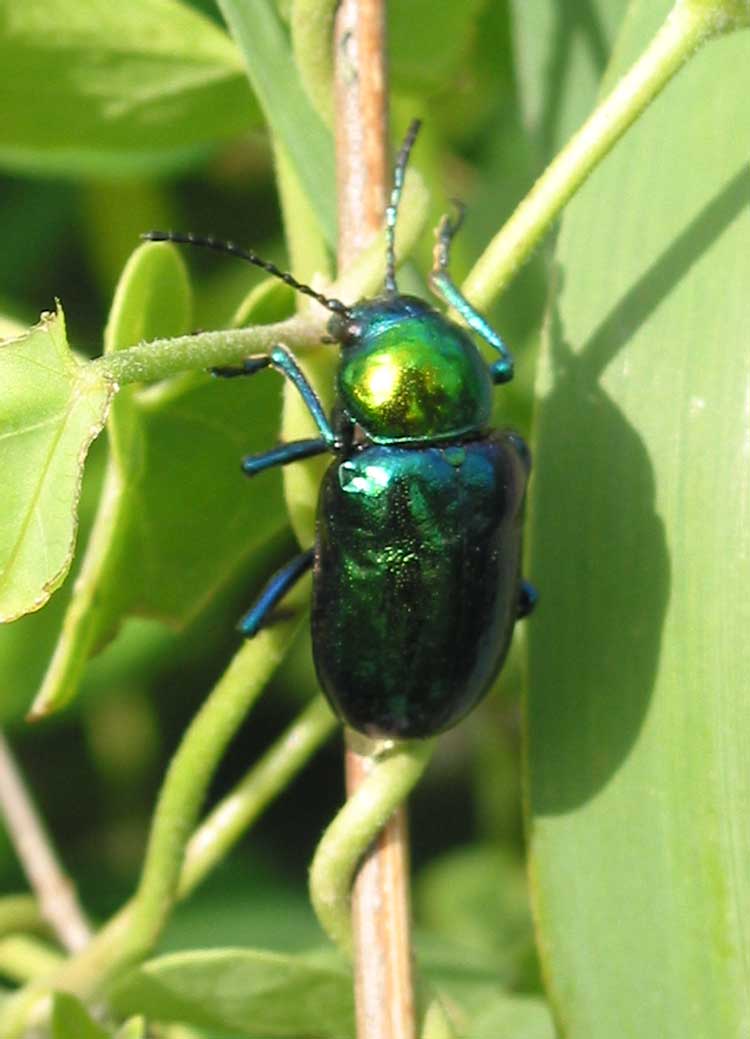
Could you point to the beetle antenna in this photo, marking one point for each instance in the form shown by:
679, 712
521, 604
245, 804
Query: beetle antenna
207, 242
392, 209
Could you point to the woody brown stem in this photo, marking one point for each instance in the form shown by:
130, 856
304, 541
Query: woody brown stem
380, 895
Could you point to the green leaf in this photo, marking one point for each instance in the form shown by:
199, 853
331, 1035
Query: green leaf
173, 482
51, 409
477, 896
471, 989
70, 1019
27, 644
88, 86
269, 301
427, 42
639, 776
275, 81
152, 299
250, 992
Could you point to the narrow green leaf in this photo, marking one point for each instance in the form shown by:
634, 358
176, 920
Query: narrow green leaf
51, 409
275, 81
70, 1019
561, 50
249, 992
639, 777
312, 39
306, 245
82, 83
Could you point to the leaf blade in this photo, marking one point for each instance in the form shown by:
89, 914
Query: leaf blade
273, 74
250, 992
53, 408
149, 77
637, 776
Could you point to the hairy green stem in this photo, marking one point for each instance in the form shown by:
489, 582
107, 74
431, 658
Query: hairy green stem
398, 769
161, 358
189, 774
686, 27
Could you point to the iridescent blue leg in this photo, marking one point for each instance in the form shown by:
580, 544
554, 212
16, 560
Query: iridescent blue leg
442, 284
274, 591
284, 362
283, 455
527, 599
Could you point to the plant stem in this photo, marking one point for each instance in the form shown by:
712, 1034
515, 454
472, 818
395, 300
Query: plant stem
683, 31
362, 165
189, 774
384, 990
221, 829
396, 770
161, 358
216, 835
130, 934
54, 889
381, 916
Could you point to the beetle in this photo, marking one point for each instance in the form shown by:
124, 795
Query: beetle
416, 563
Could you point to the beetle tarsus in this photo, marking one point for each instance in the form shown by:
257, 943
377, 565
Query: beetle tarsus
528, 597
249, 366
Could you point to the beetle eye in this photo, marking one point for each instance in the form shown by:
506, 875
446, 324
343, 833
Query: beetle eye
343, 329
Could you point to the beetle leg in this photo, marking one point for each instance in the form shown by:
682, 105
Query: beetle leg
283, 455
528, 597
249, 366
283, 361
274, 591
443, 285
522, 449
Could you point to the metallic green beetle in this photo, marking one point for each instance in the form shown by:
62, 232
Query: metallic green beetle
416, 563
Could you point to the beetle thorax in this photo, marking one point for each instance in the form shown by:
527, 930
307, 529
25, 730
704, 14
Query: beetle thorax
408, 374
